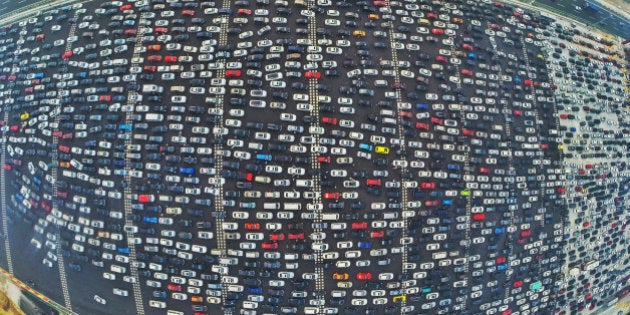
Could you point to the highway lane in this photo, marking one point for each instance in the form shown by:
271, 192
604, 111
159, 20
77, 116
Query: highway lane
605, 19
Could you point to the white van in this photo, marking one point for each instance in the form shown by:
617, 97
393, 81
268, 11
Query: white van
294, 206
271, 205
330, 216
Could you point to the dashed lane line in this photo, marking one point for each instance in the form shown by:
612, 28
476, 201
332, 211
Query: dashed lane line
60, 258
405, 266
317, 200
218, 179
132, 96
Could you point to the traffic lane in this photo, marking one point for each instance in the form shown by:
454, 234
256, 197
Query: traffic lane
27, 261
605, 19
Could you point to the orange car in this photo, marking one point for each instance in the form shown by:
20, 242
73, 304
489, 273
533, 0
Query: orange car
64, 164
154, 47
196, 299
340, 276
458, 20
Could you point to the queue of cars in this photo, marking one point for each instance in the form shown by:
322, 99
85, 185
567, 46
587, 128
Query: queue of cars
593, 124
438, 182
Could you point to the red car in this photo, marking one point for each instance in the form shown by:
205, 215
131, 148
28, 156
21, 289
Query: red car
188, 12
377, 234
244, 11
526, 233
154, 58
64, 149
517, 112
312, 74
427, 185
269, 245
364, 276
329, 120
170, 59
432, 15
438, 121
66, 55
420, 125
431, 203
479, 216
373, 182
276, 237
501, 260
145, 198
174, 287
359, 225
441, 59
150, 68
296, 236
233, 73
6, 166
252, 226
131, 32
466, 72
161, 30
380, 4
468, 47
437, 31
405, 114
105, 98
518, 283
484, 170
468, 132
125, 7
324, 159
331, 195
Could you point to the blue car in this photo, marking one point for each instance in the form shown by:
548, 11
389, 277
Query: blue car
453, 167
255, 290
365, 245
422, 106
499, 230
124, 250
127, 127
501, 267
447, 202
150, 219
187, 170
263, 157
366, 147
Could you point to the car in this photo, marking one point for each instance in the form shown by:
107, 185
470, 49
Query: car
364, 276
340, 276
312, 74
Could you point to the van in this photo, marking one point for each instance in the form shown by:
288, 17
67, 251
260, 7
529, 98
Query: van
330, 216
389, 121
294, 206
271, 205
152, 88
387, 112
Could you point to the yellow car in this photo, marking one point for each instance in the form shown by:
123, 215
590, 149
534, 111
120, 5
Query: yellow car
373, 16
381, 150
25, 116
401, 298
340, 276
358, 33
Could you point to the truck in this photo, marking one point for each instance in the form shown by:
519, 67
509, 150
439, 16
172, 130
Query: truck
152, 88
